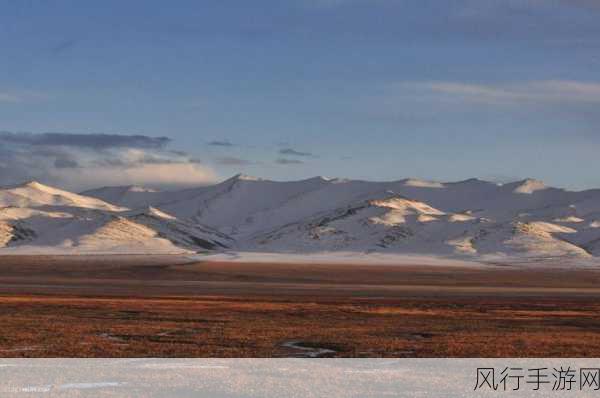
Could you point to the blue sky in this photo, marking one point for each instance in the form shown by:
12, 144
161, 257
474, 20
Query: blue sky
371, 89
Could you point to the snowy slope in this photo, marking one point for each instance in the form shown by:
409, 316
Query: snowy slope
34, 194
400, 225
471, 218
181, 233
85, 230
35, 217
244, 206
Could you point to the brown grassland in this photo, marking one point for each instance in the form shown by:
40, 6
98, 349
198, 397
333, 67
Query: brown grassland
136, 306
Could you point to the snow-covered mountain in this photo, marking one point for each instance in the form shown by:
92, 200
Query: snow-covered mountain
34, 194
38, 218
470, 218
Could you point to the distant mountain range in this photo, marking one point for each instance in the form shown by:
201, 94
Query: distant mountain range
470, 218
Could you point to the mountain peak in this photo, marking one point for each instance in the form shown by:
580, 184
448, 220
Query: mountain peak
34, 194
245, 177
320, 179
33, 184
30, 183
529, 186
470, 181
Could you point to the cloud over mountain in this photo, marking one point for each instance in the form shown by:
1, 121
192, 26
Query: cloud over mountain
79, 161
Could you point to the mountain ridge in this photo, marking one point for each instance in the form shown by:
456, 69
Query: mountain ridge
469, 218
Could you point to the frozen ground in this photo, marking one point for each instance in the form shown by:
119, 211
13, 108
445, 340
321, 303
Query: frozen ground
331, 258
393, 259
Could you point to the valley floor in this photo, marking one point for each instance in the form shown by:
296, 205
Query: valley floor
171, 306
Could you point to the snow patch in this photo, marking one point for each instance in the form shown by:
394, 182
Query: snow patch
569, 219
529, 186
411, 182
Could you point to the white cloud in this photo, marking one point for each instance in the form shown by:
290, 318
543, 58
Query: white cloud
153, 175
78, 162
546, 91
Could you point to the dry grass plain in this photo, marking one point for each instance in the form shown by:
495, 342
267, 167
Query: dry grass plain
136, 306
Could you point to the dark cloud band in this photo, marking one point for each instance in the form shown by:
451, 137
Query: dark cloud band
288, 161
233, 161
293, 152
93, 141
220, 143
82, 161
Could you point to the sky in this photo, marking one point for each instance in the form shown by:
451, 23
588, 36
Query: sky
185, 93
